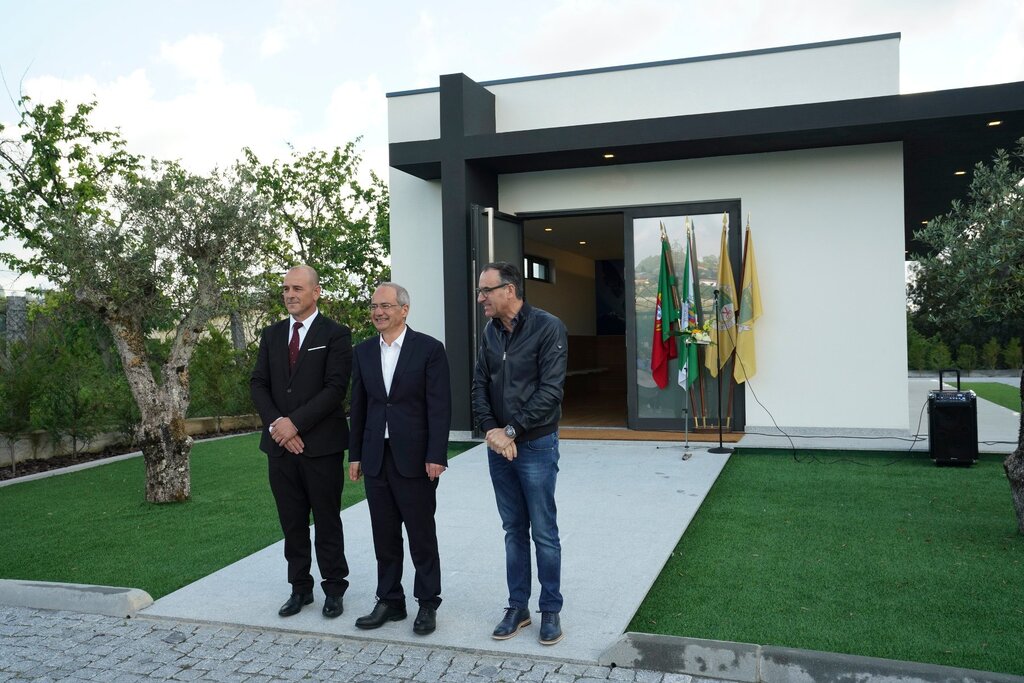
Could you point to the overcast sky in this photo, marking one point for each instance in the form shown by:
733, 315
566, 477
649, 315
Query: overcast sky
199, 80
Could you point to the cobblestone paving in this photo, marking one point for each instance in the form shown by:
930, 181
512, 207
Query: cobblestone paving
40, 645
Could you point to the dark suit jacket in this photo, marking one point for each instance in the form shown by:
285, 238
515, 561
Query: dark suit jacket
418, 410
313, 396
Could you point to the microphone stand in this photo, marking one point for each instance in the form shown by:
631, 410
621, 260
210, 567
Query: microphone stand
718, 361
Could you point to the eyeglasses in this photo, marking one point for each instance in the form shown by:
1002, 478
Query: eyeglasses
485, 291
384, 307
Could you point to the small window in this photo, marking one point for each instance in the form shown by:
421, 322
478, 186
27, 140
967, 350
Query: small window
537, 268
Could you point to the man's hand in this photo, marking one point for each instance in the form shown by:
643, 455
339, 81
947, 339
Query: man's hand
434, 470
283, 430
498, 440
355, 471
294, 445
510, 451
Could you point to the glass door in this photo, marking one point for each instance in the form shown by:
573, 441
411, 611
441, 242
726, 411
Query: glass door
651, 407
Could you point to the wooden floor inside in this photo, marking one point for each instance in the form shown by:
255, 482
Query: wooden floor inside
602, 415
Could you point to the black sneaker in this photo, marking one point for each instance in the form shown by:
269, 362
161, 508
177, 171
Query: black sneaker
550, 628
516, 619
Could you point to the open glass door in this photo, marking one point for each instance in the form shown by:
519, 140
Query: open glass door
496, 237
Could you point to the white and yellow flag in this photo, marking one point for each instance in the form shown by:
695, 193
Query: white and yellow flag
749, 312
723, 334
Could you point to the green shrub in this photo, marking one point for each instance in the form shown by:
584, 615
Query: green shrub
219, 378
1012, 354
917, 349
990, 354
939, 357
967, 357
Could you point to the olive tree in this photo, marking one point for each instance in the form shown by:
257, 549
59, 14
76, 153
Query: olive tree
148, 248
326, 216
974, 269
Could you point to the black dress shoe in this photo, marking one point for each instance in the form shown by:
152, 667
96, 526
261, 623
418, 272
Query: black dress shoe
333, 606
294, 604
381, 614
426, 621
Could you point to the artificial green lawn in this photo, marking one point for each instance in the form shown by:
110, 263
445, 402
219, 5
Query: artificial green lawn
997, 392
95, 527
884, 555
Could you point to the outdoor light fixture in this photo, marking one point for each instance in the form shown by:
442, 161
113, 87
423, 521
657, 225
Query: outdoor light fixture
609, 156
548, 229
959, 172
583, 241
995, 123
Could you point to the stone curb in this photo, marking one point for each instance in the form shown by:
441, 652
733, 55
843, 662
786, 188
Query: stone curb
74, 597
748, 663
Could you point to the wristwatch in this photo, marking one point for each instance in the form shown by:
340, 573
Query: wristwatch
510, 431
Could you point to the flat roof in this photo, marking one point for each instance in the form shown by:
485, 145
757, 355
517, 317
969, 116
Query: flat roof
942, 132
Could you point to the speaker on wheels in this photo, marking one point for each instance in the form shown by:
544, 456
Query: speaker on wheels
953, 425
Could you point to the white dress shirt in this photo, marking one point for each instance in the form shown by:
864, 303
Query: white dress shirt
388, 361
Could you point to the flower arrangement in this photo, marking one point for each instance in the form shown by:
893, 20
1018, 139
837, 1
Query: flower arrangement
697, 335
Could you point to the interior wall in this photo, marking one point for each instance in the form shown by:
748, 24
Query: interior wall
571, 296
828, 235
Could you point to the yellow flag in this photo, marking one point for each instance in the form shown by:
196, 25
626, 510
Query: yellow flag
750, 311
723, 335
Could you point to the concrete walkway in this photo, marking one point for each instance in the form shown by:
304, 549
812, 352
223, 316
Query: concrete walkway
622, 508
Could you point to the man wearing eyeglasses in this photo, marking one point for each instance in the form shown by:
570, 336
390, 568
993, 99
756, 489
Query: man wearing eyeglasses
400, 415
517, 402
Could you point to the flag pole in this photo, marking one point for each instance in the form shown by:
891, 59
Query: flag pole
676, 299
718, 352
700, 313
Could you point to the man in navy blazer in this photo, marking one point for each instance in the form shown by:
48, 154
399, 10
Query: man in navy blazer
298, 387
401, 413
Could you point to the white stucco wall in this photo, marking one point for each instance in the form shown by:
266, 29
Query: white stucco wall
416, 249
797, 76
822, 74
414, 117
828, 234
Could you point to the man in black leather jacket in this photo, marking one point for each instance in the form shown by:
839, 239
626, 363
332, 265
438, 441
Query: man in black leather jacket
517, 397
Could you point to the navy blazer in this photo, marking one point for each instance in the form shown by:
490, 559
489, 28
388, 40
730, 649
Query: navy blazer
313, 395
418, 410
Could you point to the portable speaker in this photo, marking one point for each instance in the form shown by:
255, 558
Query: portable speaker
953, 425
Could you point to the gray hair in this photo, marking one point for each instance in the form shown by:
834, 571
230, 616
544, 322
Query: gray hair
401, 293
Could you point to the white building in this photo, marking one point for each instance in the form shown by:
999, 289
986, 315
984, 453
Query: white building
833, 166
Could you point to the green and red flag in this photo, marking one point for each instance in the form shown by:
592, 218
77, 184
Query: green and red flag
663, 348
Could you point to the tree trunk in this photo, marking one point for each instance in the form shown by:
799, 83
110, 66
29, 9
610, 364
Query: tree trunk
1014, 467
166, 448
237, 331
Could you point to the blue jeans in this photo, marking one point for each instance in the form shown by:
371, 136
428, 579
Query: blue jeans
524, 490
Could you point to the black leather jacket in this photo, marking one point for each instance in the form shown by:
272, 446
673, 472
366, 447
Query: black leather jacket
519, 376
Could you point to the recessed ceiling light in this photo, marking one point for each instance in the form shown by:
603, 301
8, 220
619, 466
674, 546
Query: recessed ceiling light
583, 241
548, 229
959, 172
995, 123
609, 156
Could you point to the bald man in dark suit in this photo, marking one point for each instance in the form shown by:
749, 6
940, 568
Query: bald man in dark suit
298, 387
